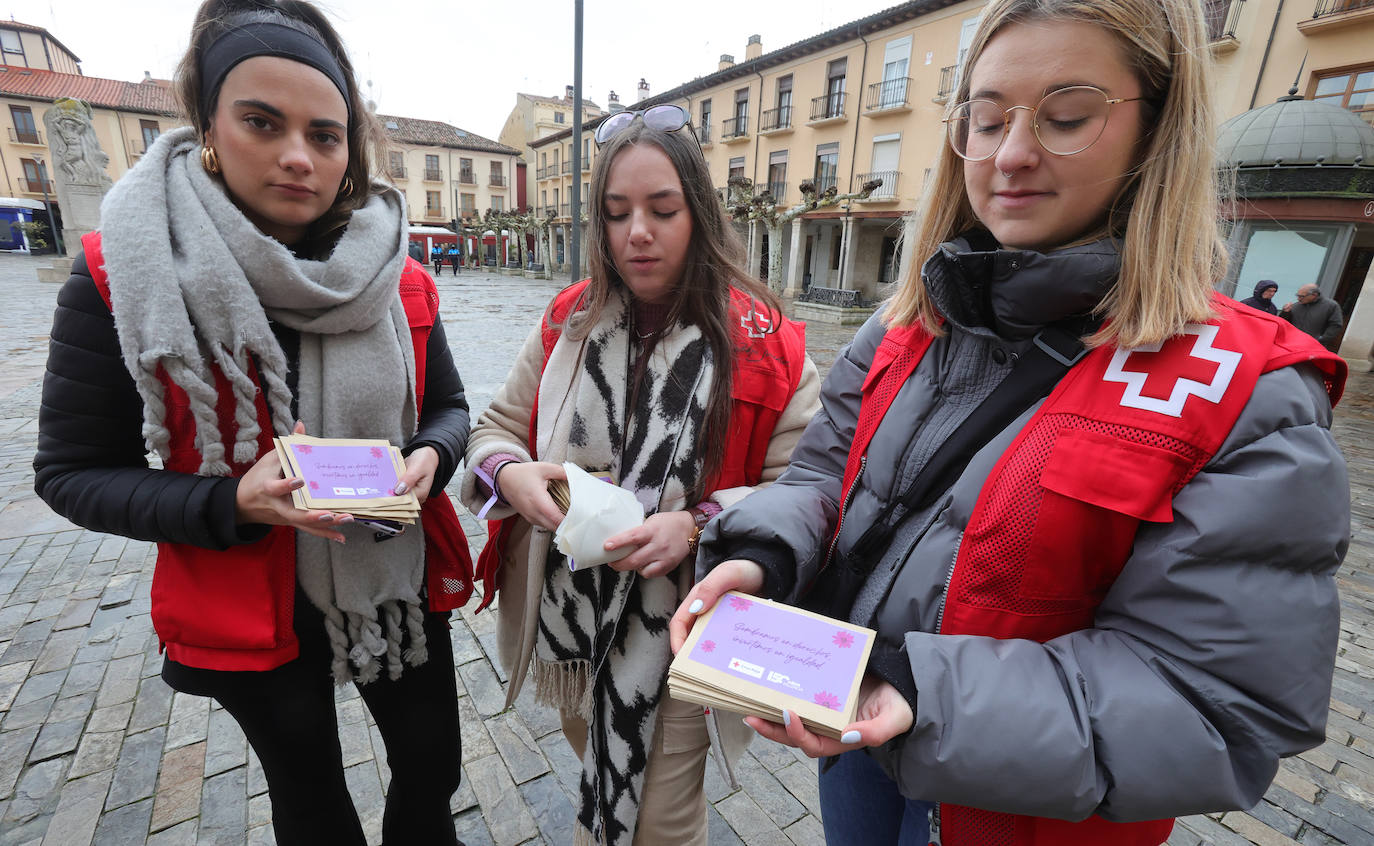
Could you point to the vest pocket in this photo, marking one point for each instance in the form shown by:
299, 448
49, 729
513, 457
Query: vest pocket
1096, 489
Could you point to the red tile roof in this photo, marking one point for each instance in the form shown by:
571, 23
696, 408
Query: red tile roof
560, 101
438, 134
149, 96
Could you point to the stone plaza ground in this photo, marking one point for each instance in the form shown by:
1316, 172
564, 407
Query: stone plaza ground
95, 748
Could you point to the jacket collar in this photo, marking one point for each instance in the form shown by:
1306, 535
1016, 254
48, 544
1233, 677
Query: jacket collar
1013, 294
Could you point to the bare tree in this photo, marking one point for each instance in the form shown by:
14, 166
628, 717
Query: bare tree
744, 203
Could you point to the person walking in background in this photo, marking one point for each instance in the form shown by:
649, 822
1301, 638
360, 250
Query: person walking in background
249, 274
1033, 472
675, 369
1263, 298
436, 255
1317, 315
455, 257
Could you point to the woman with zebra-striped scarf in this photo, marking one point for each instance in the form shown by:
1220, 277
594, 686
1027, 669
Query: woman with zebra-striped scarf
674, 370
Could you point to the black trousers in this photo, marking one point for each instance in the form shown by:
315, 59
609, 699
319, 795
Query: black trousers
289, 718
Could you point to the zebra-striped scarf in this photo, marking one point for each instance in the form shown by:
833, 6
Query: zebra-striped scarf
602, 649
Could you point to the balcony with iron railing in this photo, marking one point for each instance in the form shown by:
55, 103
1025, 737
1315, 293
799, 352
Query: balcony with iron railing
735, 128
827, 107
497, 180
466, 177
21, 136
949, 75
435, 214
399, 172
1222, 17
888, 96
1335, 14
823, 183
567, 167
586, 164
434, 175
775, 120
886, 192
565, 210
778, 190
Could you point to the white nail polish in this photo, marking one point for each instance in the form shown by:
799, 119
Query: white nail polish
695, 607
786, 717
850, 737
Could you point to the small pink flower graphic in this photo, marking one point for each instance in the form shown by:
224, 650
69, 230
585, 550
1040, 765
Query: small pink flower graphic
376, 452
739, 603
708, 646
314, 486
304, 449
827, 700
843, 639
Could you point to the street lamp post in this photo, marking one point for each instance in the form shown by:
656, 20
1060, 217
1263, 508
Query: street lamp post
43, 184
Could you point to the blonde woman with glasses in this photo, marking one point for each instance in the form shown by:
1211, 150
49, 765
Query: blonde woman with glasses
672, 371
1034, 469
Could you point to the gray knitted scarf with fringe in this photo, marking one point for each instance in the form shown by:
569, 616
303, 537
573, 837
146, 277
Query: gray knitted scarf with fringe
194, 285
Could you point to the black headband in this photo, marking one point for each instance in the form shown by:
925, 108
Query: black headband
265, 38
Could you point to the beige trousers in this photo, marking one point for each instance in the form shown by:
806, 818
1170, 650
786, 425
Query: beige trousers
672, 805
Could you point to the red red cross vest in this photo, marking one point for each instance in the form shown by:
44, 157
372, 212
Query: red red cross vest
767, 369
1053, 525
232, 609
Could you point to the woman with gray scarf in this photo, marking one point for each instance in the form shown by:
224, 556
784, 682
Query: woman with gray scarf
250, 280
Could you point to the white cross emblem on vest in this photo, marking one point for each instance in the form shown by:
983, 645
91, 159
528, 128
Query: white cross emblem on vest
756, 324
1175, 363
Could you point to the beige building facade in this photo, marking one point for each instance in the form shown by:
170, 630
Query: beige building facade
865, 101
446, 172
535, 117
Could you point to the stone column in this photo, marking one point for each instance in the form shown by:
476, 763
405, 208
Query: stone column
820, 256
755, 251
792, 278
1357, 347
907, 241
847, 252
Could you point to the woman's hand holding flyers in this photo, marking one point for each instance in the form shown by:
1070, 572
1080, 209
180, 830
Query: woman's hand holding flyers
264, 496
525, 485
662, 543
421, 465
883, 714
735, 574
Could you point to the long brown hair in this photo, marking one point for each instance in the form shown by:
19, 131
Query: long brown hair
366, 140
715, 265
1167, 214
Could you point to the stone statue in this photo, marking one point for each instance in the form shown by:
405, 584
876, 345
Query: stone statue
77, 166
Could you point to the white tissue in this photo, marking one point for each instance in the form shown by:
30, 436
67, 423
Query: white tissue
597, 511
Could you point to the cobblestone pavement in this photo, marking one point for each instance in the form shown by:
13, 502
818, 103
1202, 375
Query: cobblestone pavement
95, 748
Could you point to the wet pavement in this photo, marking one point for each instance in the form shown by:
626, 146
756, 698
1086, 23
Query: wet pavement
94, 748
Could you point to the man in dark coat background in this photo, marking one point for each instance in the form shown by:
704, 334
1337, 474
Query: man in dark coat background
1316, 315
1265, 289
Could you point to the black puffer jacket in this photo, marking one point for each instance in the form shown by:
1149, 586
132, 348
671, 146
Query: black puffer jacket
92, 466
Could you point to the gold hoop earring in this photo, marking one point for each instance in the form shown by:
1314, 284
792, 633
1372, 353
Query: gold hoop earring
347, 188
209, 160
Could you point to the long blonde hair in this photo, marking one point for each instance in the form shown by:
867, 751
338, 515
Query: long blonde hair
1166, 216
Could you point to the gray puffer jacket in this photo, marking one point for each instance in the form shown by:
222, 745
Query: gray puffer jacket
1211, 656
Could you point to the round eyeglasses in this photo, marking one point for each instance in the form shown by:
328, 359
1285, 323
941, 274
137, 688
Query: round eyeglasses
1065, 122
665, 118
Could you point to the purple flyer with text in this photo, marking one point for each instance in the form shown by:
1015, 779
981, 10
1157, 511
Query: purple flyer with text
783, 650
345, 472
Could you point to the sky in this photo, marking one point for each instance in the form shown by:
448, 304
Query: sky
464, 62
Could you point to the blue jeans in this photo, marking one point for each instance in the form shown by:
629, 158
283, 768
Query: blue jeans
860, 805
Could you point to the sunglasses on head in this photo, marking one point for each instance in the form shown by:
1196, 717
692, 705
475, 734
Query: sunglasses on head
664, 118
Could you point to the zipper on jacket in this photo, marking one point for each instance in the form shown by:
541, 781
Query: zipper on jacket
934, 823
844, 508
949, 579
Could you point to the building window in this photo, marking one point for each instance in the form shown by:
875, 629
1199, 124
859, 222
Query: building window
33, 180
498, 204
557, 117
704, 124
1353, 90
150, 131
25, 131
777, 174
736, 166
834, 88
498, 177
469, 202
432, 172
433, 205
10, 44
785, 100
396, 163
465, 171
827, 165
